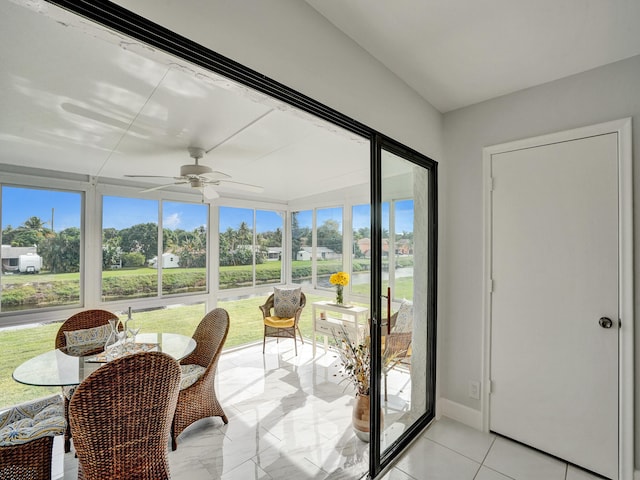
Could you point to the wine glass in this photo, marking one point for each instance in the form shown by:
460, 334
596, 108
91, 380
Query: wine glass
133, 331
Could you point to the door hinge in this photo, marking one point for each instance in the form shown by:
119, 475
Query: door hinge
492, 184
492, 285
491, 386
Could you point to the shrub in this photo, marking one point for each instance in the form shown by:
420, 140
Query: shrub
133, 259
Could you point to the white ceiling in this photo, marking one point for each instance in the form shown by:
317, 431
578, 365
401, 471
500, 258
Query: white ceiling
455, 53
77, 101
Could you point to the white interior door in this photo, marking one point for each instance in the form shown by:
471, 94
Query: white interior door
554, 368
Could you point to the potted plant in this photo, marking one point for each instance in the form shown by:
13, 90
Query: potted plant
355, 359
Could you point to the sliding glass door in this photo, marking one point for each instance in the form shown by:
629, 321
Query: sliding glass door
403, 299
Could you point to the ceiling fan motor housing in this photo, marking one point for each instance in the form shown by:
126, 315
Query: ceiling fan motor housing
194, 170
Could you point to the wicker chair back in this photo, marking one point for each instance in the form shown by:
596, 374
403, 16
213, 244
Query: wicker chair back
199, 400
121, 418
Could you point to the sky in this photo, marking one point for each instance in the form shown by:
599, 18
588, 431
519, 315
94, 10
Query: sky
18, 204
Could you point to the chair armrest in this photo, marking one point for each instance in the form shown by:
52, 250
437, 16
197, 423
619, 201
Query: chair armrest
265, 309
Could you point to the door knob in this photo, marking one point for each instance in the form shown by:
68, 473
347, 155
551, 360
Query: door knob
605, 322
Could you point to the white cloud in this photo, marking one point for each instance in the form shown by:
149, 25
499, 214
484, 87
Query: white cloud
172, 221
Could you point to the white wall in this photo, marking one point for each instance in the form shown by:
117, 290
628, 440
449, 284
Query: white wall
603, 94
291, 43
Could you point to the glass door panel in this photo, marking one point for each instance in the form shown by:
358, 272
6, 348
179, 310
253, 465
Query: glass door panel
406, 335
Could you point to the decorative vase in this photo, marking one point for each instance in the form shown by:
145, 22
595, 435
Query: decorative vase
361, 416
339, 294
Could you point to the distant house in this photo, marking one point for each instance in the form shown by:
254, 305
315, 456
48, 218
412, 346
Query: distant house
169, 260
274, 253
404, 247
322, 253
364, 245
20, 259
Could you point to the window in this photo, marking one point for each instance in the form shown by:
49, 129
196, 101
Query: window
129, 245
184, 247
130, 262
250, 256
325, 255
397, 248
361, 264
268, 247
41, 248
301, 248
329, 244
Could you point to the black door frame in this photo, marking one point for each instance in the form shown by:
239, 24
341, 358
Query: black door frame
121, 20
379, 460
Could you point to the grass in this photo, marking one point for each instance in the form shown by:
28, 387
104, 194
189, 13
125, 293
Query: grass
19, 344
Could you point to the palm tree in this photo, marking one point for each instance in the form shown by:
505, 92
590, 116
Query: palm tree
34, 223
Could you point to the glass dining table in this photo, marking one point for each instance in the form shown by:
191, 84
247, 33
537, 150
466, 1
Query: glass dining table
59, 368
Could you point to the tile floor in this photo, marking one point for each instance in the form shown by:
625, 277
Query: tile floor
290, 419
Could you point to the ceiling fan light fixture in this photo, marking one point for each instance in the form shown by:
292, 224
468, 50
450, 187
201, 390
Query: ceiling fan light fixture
196, 182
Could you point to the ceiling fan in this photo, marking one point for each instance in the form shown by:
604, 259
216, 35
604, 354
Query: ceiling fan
201, 177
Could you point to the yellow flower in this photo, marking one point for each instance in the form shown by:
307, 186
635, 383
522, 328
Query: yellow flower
340, 278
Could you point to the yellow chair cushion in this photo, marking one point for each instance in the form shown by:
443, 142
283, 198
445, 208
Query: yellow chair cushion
279, 322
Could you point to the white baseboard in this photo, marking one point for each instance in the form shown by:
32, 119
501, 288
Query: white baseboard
460, 413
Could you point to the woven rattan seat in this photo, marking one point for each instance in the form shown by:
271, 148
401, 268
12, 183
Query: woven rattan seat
199, 400
121, 418
79, 321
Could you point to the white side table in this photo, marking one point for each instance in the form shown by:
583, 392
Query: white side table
329, 317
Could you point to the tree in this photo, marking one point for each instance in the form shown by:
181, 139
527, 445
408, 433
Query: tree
329, 235
300, 236
7, 235
34, 223
245, 234
26, 238
61, 252
142, 238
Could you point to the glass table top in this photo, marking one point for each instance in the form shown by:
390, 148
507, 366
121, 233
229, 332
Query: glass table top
58, 368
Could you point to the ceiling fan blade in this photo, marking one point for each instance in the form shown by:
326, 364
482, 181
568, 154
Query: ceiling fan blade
160, 187
215, 175
209, 192
152, 176
247, 187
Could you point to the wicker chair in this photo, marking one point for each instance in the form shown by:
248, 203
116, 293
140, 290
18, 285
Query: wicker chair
396, 348
281, 327
121, 418
26, 438
79, 321
198, 400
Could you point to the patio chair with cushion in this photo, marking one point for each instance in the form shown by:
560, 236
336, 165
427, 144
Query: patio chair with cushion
84, 333
26, 438
287, 305
197, 397
121, 418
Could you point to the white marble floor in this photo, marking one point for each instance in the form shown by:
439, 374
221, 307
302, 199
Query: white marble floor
289, 418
